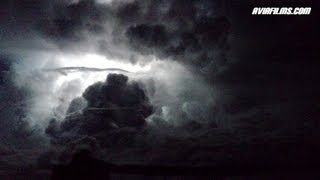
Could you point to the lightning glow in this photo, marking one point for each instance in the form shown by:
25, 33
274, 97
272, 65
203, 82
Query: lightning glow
56, 78
92, 61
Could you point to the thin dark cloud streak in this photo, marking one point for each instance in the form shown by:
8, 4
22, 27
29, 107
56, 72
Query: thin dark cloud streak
66, 70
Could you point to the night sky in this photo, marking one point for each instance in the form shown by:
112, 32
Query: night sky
167, 82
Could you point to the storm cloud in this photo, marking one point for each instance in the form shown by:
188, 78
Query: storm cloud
167, 81
170, 46
191, 32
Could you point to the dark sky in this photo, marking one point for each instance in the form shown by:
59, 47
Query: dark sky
278, 58
261, 73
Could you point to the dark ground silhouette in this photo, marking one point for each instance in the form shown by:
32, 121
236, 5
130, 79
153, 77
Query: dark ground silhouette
84, 166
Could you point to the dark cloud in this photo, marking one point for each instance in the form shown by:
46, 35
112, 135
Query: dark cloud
192, 32
183, 31
68, 22
154, 36
4, 68
112, 106
16, 130
129, 12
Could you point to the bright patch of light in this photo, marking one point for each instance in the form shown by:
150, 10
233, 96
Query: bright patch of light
104, 1
56, 79
87, 78
97, 61
59, 88
110, 1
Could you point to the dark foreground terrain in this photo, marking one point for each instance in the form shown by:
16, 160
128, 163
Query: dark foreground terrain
288, 161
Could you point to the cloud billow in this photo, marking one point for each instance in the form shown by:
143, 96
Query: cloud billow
190, 38
191, 32
111, 105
